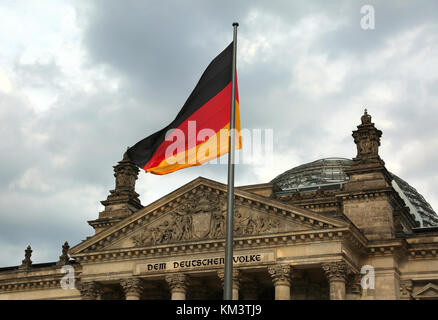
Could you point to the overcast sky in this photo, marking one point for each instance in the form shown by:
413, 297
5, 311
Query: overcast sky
82, 80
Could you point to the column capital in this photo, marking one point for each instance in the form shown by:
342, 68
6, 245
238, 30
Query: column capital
177, 282
236, 277
335, 271
89, 290
132, 286
280, 274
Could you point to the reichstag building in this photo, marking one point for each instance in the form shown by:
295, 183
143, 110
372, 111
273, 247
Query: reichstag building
308, 234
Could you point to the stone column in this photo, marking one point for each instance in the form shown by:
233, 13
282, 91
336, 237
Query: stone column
236, 281
133, 288
178, 283
90, 290
336, 273
281, 274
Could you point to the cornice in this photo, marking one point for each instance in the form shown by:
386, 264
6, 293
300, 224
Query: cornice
34, 282
360, 195
389, 247
423, 251
218, 245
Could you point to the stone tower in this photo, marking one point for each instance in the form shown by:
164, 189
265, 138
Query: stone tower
369, 200
123, 200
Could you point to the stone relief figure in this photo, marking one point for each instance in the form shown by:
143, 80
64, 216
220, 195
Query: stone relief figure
188, 222
154, 235
251, 227
264, 225
240, 221
167, 232
161, 233
249, 224
217, 228
182, 226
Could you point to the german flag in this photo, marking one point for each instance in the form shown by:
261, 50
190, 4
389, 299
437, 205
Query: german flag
200, 131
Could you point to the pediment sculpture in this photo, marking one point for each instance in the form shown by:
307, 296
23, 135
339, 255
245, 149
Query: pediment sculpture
203, 217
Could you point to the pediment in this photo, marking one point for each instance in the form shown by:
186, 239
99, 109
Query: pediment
428, 291
196, 212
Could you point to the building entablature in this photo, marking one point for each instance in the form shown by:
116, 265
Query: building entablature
273, 241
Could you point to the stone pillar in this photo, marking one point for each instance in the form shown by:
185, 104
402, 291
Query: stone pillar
90, 290
178, 283
133, 288
336, 273
236, 281
281, 277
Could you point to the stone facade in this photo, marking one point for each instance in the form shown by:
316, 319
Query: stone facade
356, 242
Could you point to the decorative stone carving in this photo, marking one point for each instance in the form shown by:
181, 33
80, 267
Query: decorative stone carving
245, 224
90, 290
203, 217
133, 288
177, 282
27, 263
367, 139
123, 200
126, 174
280, 274
406, 288
63, 258
335, 270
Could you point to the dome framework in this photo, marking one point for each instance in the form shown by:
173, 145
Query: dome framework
329, 173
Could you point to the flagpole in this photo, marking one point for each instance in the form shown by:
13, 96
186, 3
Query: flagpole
228, 273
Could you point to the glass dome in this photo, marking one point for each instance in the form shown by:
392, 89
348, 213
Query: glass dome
329, 173
317, 173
